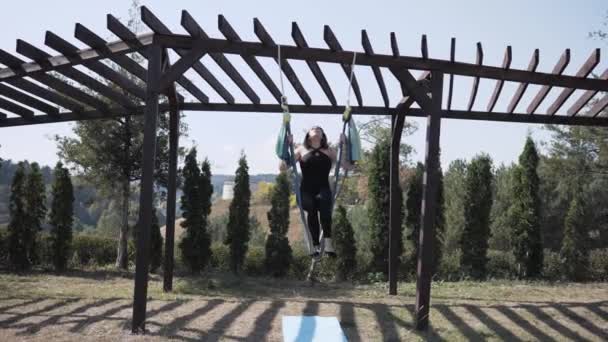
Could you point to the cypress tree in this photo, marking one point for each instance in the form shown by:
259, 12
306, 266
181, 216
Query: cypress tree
574, 253
525, 214
237, 237
379, 205
35, 198
477, 206
195, 245
346, 249
278, 255
61, 217
17, 228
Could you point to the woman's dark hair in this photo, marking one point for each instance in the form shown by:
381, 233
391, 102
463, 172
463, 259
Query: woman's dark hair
323, 138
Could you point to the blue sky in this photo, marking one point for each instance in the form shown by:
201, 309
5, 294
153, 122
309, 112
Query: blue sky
550, 25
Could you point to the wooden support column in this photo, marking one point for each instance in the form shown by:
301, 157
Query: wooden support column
398, 120
171, 187
429, 201
146, 209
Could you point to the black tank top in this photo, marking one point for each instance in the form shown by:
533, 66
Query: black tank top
315, 166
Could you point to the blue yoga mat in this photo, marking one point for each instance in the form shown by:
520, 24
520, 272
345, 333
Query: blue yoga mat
312, 328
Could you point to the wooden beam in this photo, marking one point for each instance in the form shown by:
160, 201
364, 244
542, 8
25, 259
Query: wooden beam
429, 205
395, 51
23, 98
231, 35
598, 107
54, 83
395, 226
586, 97
424, 49
46, 94
298, 38
146, 208
506, 64
42, 57
415, 63
599, 121
195, 30
124, 33
479, 61
584, 71
99, 44
16, 109
334, 45
157, 26
3, 116
174, 116
523, 85
178, 69
416, 91
266, 39
451, 83
62, 46
558, 69
367, 47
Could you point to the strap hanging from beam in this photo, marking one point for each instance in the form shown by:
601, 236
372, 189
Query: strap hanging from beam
451, 82
298, 38
334, 45
267, 40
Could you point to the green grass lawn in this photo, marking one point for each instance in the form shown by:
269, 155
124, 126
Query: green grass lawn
96, 305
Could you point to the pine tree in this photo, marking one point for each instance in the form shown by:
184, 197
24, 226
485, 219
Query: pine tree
525, 214
477, 206
17, 228
61, 217
156, 245
238, 217
35, 198
195, 245
379, 205
574, 253
346, 249
278, 255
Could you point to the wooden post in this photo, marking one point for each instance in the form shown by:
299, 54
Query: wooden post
170, 225
394, 212
146, 209
429, 201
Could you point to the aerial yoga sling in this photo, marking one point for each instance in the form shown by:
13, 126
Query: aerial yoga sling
285, 151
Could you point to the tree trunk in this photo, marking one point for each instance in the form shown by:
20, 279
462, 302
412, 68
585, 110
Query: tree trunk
122, 256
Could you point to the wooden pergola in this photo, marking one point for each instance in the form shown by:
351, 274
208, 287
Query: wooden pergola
32, 93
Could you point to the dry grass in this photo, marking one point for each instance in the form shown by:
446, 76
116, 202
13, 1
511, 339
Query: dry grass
97, 306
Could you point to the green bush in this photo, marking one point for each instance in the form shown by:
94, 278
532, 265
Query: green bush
96, 250
254, 261
220, 257
552, 267
501, 264
598, 262
300, 263
449, 267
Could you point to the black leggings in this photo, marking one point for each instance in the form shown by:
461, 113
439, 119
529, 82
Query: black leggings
318, 203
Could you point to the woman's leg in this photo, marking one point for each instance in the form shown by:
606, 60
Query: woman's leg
325, 211
309, 205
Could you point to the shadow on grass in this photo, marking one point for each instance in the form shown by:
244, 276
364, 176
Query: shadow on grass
32, 316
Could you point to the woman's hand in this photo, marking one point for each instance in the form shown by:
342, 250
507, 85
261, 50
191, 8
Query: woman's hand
290, 139
342, 139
